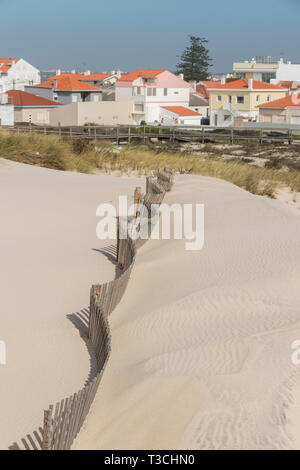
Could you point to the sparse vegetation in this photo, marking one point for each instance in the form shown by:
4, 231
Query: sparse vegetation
52, 152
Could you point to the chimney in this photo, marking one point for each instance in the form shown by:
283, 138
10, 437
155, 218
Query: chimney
181, 75
58, 72
250, 83
193, 84
223, 80
73, 71
88, 72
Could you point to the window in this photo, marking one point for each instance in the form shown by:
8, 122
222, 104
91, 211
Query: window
219, 98
139, 107
230, 99
227, 117
165, 91
266, 77
115, 118
151, 91
240, 75
96, 98
240, 99
269, 98
257, 98
74, 98
41, 117
138, 90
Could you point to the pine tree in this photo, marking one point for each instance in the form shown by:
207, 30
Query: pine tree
195, 60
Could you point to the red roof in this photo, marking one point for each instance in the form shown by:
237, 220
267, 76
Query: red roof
291, 85
81, 76
5, 64
243, 84
291, 100
181, 111
67, 83
22, 98
97, 77
146, 73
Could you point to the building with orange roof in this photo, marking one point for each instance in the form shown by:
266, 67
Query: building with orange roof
66, 89
240, 98
283, 111
16, 73
30, 108
150, 90
179, 115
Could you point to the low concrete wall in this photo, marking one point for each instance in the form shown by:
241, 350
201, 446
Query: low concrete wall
102, 113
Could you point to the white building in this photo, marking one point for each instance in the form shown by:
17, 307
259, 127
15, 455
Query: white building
15, 74
287, 72
150, 90
179, 115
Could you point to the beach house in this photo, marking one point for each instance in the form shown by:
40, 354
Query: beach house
241, 99
151, 91
66, 89
16, 73
30, 108
283, 111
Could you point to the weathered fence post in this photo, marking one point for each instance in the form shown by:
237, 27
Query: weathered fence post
137, 200
148, 185
47, 429
231, 136
118, 239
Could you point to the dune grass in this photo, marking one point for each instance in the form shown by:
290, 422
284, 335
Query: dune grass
52, 152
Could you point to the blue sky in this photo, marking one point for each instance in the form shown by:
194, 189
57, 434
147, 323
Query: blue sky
103, 34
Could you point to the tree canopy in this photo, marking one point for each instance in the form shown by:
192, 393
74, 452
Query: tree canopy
195, 60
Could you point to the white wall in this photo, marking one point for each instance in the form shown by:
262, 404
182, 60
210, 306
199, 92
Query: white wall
172, 118
7, 115
287, 72
18, 76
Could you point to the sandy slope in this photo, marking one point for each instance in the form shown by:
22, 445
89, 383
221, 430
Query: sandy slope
48, 222
202, 341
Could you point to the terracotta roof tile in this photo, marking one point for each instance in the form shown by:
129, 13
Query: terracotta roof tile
22, 98
243, 84
291, 100
181, 111
68, 83
130, 77
5, 64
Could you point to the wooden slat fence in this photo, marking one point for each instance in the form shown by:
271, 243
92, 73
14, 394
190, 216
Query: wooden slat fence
63, 421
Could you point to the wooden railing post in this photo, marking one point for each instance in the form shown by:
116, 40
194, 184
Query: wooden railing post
47, 429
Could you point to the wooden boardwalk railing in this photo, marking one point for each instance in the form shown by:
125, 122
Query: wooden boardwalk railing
129, 134
63, 421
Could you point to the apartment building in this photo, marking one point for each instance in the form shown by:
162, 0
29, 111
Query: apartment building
266, 69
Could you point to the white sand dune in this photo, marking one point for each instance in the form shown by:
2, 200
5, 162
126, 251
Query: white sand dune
48, 233
201, 354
